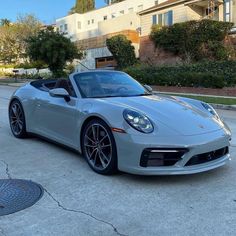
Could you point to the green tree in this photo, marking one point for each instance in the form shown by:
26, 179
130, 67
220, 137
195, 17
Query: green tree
82, 6
122, 50
53, 49
13, 37
10, 48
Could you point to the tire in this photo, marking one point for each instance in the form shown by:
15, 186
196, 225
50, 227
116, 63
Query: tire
17, 119
99, 147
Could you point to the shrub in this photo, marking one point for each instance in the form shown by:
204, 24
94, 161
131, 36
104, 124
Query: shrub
122, 50
53, 49
194, 39
35, 64
205, 74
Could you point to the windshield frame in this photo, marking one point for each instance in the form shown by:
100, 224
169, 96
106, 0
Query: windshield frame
146, 92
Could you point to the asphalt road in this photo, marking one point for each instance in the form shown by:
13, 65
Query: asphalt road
78, 202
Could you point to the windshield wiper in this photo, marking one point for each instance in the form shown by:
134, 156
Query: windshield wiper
145, 94
124, 96
107, 96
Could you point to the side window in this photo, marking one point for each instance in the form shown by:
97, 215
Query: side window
227, 10
160, 19
154, 19
73, 94
168, 18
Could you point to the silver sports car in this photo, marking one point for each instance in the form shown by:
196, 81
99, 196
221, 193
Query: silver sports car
118, 124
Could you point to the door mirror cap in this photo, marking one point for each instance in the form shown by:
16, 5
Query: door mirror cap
60, 93
149, 88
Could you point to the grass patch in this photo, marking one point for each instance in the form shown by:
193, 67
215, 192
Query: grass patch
214, 100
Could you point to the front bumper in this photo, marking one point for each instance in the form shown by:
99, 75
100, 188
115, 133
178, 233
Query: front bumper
131, 147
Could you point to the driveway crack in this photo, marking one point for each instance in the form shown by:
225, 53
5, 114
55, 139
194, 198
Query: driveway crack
84, 213
65, 208
7, 169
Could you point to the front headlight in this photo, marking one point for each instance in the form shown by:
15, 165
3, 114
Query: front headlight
210, 109
138, 121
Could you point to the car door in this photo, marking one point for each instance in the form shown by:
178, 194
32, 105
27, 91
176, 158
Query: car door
56, 119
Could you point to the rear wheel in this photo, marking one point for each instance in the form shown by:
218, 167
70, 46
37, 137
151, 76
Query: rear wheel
99, 148
17, 119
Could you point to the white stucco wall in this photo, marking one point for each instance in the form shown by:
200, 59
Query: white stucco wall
90, 21
127, 22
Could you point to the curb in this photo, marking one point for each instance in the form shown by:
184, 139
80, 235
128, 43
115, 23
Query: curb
216, 106
195, 94
13, 85
224, 107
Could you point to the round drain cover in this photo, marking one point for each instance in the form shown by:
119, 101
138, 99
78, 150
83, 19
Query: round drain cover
16, 195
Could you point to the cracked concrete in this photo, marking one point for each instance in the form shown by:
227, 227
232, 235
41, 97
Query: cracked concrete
7, 169
60, 205
202, 204
84, 213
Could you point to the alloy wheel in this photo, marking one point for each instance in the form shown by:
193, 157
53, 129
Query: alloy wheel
98, 146
16, 118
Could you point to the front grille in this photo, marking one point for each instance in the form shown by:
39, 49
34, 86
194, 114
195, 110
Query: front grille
209, 156
161, 157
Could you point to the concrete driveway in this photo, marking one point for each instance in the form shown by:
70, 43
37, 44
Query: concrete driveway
79, 202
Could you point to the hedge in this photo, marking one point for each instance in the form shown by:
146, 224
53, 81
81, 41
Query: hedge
205, 74
194, 40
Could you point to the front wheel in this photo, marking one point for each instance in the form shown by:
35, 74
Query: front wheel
99, 148
17, 119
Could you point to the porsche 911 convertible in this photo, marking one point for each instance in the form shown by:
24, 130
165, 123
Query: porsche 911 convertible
118, 124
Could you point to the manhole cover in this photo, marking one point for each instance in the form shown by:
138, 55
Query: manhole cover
16, 195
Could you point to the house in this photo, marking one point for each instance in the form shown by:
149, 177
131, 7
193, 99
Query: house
91, 29
175, 11
134, 18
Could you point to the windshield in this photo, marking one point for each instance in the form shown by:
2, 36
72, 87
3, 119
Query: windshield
108, 84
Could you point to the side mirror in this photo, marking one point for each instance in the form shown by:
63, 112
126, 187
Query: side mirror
149, 89
60, 93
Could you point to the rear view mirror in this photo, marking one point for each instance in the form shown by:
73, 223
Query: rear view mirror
149, 89
60, 93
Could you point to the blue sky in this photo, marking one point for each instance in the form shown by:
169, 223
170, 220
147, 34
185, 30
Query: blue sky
46, 10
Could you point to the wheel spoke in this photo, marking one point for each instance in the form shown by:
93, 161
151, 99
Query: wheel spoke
19, 111
14, 110
20, 126
96, 157
89, 139
102, 161
13, 122
91, 146
97, 132
91, 155
103, 138
105, 146
105, 157
94, 133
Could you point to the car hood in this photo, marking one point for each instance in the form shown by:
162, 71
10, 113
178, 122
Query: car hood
173, 113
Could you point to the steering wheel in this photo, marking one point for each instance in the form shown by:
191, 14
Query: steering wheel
121, 90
